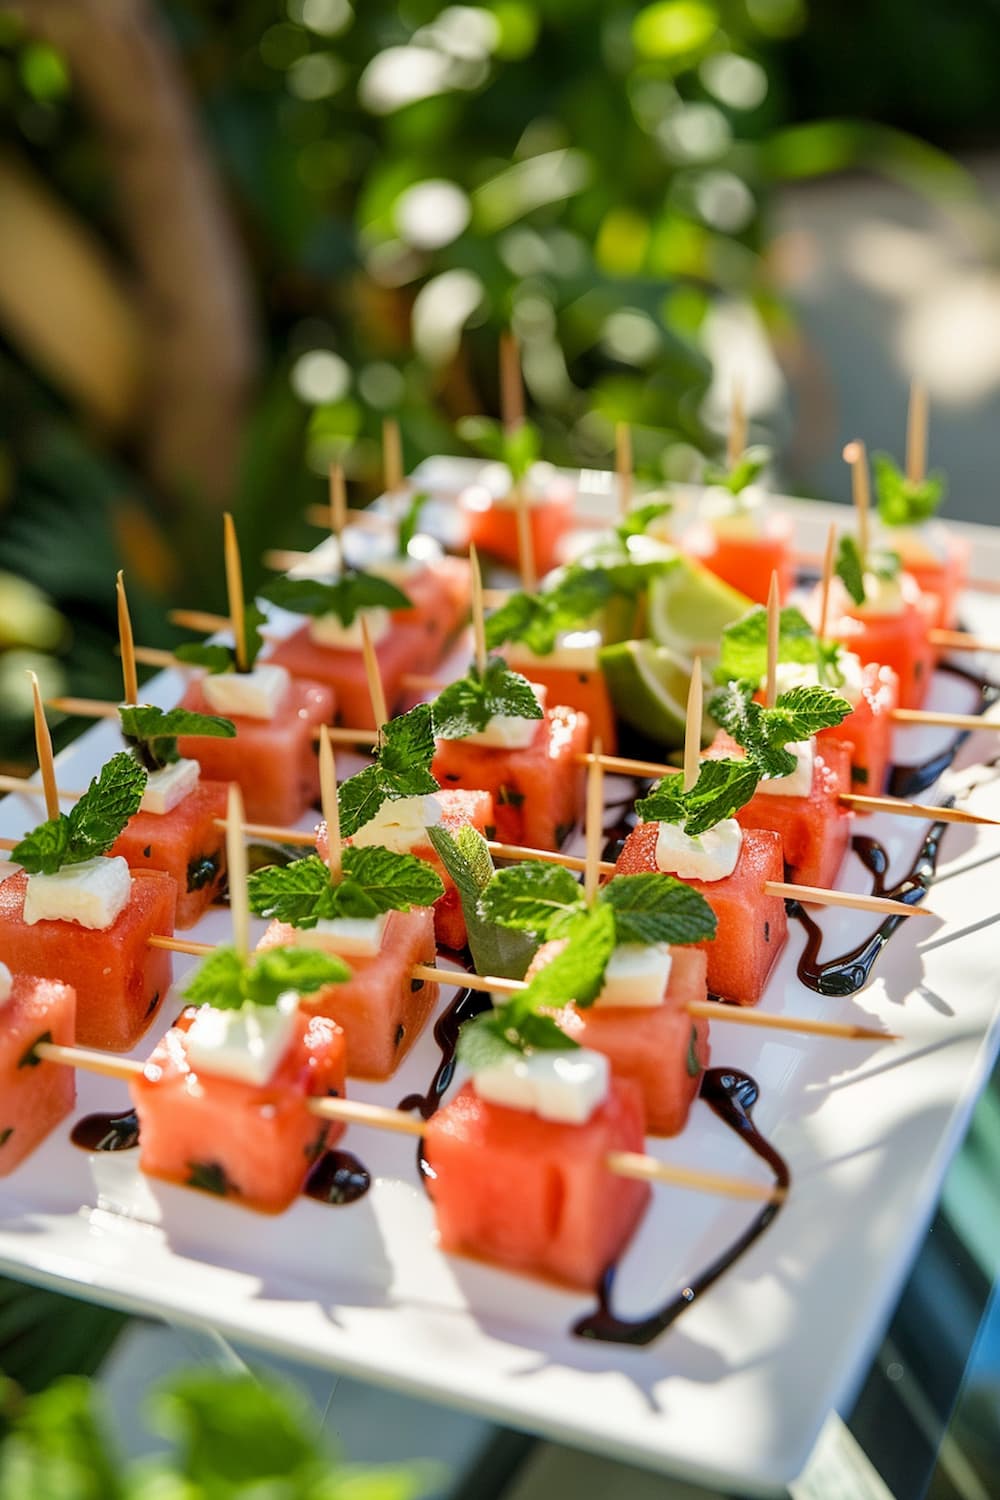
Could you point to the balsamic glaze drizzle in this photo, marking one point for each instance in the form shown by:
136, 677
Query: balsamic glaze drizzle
732, 1095
107, 1132
464, 1007
338, 1178
910, 781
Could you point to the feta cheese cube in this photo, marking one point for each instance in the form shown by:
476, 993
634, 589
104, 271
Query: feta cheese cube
575, 650
350, 937
509, 731
637, 974
254, 695
797, 783
169, 786
565, 1086
708, 856
401, 825
92, 894
247, 1044
329, 630
793, 674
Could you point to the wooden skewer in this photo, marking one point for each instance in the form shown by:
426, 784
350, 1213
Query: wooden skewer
855, 455
623, 466
511, 384
319, 515
916, 432
236, 866
198, 619
234, 588
935, 720
924, 810
392, 456
328, 801
593, 829
376, 692
737, 438
43, 746
525, 542
692, 727
478, 613
130, 677
773, 637
961, 640
814, 895
356, 1112
338, 502
827, 579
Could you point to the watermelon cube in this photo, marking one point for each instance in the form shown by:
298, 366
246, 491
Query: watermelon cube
34, 1095
662, 1048
867, 731
531, 1194
273, 760
186, 843
815, 830
253, 1143
752, 927
381, 1009
747, 563
940, 579
342, 668
537, 792
899, 641
582, 688
441, 596
118, 978
493, 529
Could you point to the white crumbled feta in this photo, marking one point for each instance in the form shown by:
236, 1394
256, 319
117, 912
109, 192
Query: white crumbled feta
793, 674
329, 630
423, 552
708, 856
350, 937
247, 1044
734, 517
637, 974
574, 651
253, 695
509, 731
565, 1086
920, 546
883, 596
93, 893
797, 783
166, 788
401, 825
6, 983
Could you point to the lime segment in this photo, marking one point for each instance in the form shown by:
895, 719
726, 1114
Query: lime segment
649, 687
689, 608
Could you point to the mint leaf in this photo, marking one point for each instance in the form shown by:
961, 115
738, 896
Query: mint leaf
392, 881
298, 893
763, 732
344, 597
92, 826
850, 569
466, 858
484, 434
743, 651
655, 908
518, 449
530, 896
722, 788
410, 523
577, 971
748, 467
884, 563
401, 768
215, 658
374, 880
151, 733
44, 850
509, 1030
637, 521
222, 980
901, 501
467, 706
804, 711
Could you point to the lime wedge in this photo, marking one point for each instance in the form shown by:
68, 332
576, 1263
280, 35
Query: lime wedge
649, 688
689, 608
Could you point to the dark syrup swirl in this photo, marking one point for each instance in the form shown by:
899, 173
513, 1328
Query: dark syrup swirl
338, 1178
850, 972
909, 781
732, 1096
466, 1005
107, 1132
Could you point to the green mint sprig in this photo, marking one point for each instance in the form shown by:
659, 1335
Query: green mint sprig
226, 981
509, 1030
572, 600
401, 768
722, 788
764, 732
92, 826
902, 501
467, 706
637, 520
747, 468
850, 568
743, 652
466, 857
373, 880
343, 597
151, 733
518, 449
409, 523
218, 659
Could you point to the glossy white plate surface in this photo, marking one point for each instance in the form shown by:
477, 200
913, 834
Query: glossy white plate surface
737, 1390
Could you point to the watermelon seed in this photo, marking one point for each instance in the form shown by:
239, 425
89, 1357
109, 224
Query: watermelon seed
5, 1135
211, 1177
30, 1059
400, 1033
416, 985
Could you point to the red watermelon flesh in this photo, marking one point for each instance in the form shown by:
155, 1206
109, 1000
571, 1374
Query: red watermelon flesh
493, 527
942, 581
273, 760
746, 563
252, 1143
897, 641
34, 1095
815, 830
537, 792
342, 669
752, 927
441, 592
868, 731
186, 844
381, 1009
662, 1048
457, 808
531, 1194
118, 978
585, 690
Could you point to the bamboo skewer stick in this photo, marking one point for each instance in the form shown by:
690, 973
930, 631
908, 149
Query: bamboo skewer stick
356, 1112
827, 579
130, 679
856, 456
916, 432
511, 384
236, 866
736, 441
478, 614
525, 542
593, 820
319, 515
392, 457
330, 806
932, 719
43, 746
814, 895
961, 640
925, 810
624, 466
338, 503
376, 691
198, 619
234, 588
692, 727
773, 637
